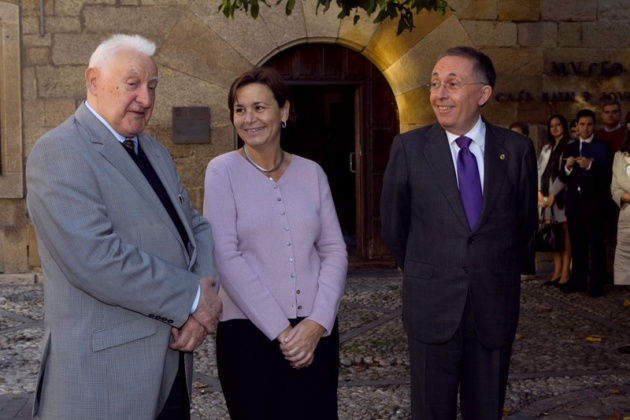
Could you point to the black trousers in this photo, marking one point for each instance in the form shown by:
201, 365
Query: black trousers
177, 406
259, 384
586, 230
462, 363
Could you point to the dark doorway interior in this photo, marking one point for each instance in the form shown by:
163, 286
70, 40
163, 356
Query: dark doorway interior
324, 131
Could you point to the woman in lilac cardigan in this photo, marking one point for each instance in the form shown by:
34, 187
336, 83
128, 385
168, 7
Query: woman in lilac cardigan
282, 262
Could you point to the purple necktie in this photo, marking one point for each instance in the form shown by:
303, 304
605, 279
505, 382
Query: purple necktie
469, 181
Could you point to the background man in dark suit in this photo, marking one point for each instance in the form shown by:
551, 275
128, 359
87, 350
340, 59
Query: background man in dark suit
587, 173
460, 252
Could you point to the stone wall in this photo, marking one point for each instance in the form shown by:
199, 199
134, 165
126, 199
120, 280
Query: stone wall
551, 56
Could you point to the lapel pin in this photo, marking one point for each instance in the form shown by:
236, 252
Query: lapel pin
502, 156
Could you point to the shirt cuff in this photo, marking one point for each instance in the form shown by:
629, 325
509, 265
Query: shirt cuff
196, 302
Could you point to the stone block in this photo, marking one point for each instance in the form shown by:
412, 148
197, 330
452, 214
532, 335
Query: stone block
357, 36
319, 25
500, 114
491, 34
568, 10
35, 40
414, 108
38, 56
29, 25
74, 49
63, 24
389, 47
603, 34
236, 32
614, 11
31, 135
34, 112
207, 57
475, 9
67, 81
75, 7
569, 34
29, 85
57, 111
538, 34
30, 8
163, 2
519, 10
524, 61
286, 29
151, 22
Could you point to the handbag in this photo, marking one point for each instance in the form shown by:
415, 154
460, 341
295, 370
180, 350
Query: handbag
549, 235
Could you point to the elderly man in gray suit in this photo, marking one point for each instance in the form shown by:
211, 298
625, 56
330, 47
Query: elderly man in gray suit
129, 278
458, 208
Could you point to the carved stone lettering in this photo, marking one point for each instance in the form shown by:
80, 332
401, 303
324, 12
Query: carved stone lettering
580, 68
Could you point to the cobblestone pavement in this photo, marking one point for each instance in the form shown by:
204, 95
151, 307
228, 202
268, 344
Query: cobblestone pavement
571, 357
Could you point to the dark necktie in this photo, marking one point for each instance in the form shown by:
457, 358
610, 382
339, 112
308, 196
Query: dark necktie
129, 144
469, 181
154, 180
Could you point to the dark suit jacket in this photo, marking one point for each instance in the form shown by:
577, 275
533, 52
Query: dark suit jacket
593, 184
443, 261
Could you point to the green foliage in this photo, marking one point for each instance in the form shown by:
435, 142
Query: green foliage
404, 10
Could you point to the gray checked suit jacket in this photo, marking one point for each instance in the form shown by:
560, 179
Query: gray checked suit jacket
443, 260
117, 275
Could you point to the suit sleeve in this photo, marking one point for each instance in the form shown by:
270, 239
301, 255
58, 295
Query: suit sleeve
529, 194
395, 203
71, 219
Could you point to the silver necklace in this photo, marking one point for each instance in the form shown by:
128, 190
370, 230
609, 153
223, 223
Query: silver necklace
260, 168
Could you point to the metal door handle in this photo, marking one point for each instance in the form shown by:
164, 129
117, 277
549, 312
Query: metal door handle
351, 163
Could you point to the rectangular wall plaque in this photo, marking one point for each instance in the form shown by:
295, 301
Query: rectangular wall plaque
191, 124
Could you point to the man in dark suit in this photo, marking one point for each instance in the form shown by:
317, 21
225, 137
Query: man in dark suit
458, 235
587, 173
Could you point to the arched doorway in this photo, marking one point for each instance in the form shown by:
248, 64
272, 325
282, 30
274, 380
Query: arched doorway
347, 119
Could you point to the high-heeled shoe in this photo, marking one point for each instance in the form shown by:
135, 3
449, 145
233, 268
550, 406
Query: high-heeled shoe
552, 282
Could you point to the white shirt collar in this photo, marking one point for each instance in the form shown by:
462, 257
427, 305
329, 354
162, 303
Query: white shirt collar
477, 134
588, 140
119, 137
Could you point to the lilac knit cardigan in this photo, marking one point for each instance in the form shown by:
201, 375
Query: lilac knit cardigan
279, 250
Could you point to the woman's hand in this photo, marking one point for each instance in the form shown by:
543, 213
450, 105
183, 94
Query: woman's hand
541, 200
550, 199
298, 345
625, 198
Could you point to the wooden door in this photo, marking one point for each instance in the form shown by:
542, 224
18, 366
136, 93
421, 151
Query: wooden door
346, 121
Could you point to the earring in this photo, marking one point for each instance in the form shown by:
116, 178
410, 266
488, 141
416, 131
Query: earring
283, 124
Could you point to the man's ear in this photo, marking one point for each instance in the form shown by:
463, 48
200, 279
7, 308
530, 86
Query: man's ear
91, 79
486, 92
